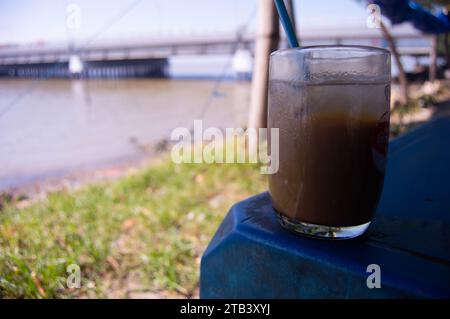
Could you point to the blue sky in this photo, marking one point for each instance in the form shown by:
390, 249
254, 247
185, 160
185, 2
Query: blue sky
23, 21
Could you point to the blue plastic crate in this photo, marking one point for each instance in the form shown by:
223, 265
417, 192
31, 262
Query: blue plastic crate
252, 256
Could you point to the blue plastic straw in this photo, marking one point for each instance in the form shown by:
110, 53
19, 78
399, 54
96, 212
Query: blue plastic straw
286, 22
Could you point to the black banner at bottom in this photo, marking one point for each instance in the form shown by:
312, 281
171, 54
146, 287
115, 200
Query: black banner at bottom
206, 308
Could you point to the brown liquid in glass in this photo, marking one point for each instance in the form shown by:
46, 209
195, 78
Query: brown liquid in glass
331, 166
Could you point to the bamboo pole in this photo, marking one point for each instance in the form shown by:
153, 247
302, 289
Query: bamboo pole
404, 96
266, 41
447, 50
433, 58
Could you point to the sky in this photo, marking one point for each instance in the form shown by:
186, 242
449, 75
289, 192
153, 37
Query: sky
31, 21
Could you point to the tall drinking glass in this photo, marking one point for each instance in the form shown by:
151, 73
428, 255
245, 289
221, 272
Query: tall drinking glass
331, 105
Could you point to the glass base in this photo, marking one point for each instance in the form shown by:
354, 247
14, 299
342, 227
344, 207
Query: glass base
321, 231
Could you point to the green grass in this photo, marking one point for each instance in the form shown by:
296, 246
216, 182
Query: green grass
146, 231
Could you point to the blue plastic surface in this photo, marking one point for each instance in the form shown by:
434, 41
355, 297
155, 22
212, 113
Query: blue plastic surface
252, 256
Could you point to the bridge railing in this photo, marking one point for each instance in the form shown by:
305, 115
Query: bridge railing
408, 43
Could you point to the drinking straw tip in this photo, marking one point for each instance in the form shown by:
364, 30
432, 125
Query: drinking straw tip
286, 22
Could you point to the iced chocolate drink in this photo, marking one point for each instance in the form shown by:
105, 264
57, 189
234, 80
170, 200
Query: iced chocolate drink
333, 121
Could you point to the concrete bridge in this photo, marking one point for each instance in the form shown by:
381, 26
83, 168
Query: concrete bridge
149, 57
143, 58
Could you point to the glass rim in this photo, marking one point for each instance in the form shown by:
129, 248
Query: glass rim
343, 47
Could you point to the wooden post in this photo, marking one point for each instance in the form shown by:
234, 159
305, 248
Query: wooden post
447, 50
401, 71
266, 41
433, 58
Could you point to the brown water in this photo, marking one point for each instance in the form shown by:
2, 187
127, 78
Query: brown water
55, 126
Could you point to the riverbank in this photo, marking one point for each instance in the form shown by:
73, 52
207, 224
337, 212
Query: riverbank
140, 235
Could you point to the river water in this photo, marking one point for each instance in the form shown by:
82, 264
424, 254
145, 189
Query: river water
51, 127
